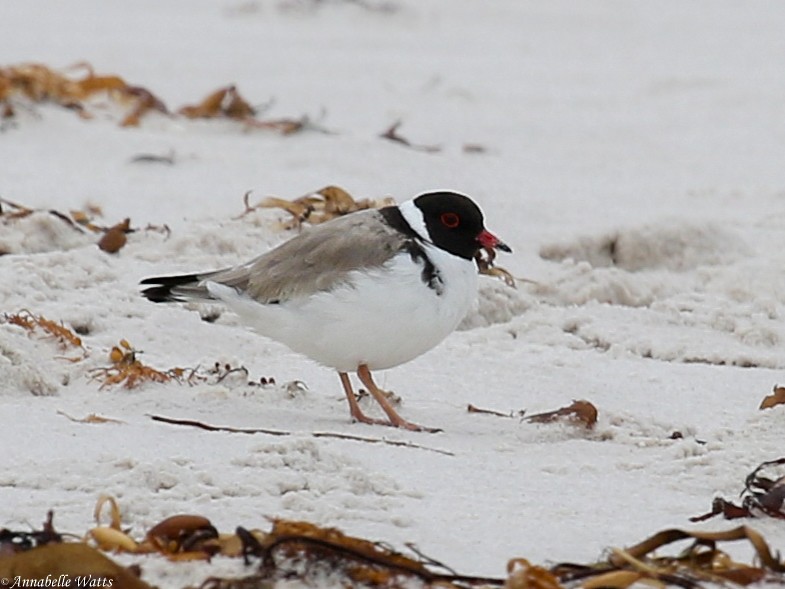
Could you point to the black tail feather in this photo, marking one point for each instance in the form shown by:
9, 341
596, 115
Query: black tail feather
161, 291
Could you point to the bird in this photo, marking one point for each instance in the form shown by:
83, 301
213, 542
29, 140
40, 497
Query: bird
363, 292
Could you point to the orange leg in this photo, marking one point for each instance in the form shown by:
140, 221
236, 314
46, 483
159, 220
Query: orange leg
354, 407
395, 420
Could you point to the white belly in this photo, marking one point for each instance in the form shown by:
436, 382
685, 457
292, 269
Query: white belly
385, 318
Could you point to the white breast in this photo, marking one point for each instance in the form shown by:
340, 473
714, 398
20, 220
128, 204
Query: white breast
381, 318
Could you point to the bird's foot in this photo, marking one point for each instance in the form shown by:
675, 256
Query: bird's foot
403, 424
413, 427
360, 417
381, 397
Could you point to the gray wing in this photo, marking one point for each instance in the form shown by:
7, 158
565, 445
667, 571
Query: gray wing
318, 259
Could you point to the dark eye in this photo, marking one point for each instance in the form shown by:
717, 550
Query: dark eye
450, 220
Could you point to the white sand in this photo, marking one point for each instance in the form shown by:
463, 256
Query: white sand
634, 161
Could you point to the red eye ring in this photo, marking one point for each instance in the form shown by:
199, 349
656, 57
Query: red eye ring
450, 220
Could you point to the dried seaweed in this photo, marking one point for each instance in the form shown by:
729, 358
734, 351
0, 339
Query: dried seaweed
179, 537
314, 555
128, 370
114, 237
91, 418
307, 552
310, 552
777, 397
40, 83
64, 336
227, 103
763, 496
142, 101
190, 537
76, 219
580, 412
701, 562
474, 409
110, 537
391, 134
84, 218
222, 103
521, 574
16, 211
274, 432
316, 207
17, 541
67, 564
164, 230
484, 260
474, 148
285, 126
112, 240
152, 158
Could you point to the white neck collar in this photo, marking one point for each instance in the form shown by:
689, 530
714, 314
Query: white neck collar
415, 219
